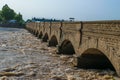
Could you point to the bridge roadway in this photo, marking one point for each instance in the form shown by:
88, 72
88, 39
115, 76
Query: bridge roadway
94, 44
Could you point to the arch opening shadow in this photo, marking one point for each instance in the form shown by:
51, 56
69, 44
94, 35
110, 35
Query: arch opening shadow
94, 59
45, 38
36, 34
40, 35
66, 48
34, 31
53, 42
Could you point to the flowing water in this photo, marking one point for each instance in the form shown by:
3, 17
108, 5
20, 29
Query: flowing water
24, 57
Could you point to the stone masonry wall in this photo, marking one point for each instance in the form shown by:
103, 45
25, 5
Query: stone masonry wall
101, 35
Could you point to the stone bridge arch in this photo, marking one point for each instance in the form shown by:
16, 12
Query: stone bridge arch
45, 37
40, 35
93, 58
97, 46
71, 34
53, 41
101, 38
66, 47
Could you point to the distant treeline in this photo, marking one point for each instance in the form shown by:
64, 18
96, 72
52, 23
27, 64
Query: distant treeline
43, 20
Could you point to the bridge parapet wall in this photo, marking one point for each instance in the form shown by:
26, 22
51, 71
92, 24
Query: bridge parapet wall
102, 27
71, 26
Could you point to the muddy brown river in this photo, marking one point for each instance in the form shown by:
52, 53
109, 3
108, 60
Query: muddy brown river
24, 57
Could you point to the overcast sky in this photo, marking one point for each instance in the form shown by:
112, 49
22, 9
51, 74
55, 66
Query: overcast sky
63, 9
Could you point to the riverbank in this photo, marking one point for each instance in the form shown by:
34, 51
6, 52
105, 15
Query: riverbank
12, 25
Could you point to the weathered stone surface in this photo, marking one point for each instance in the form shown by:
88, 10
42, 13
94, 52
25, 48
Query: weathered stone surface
86, 39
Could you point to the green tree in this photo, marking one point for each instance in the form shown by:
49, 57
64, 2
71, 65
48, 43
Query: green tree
1, 16
7, 13
18, 17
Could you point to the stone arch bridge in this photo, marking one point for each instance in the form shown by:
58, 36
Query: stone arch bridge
94, 44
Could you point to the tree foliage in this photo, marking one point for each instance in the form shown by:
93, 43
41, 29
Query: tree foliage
18, 17
8, 13
1, 16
